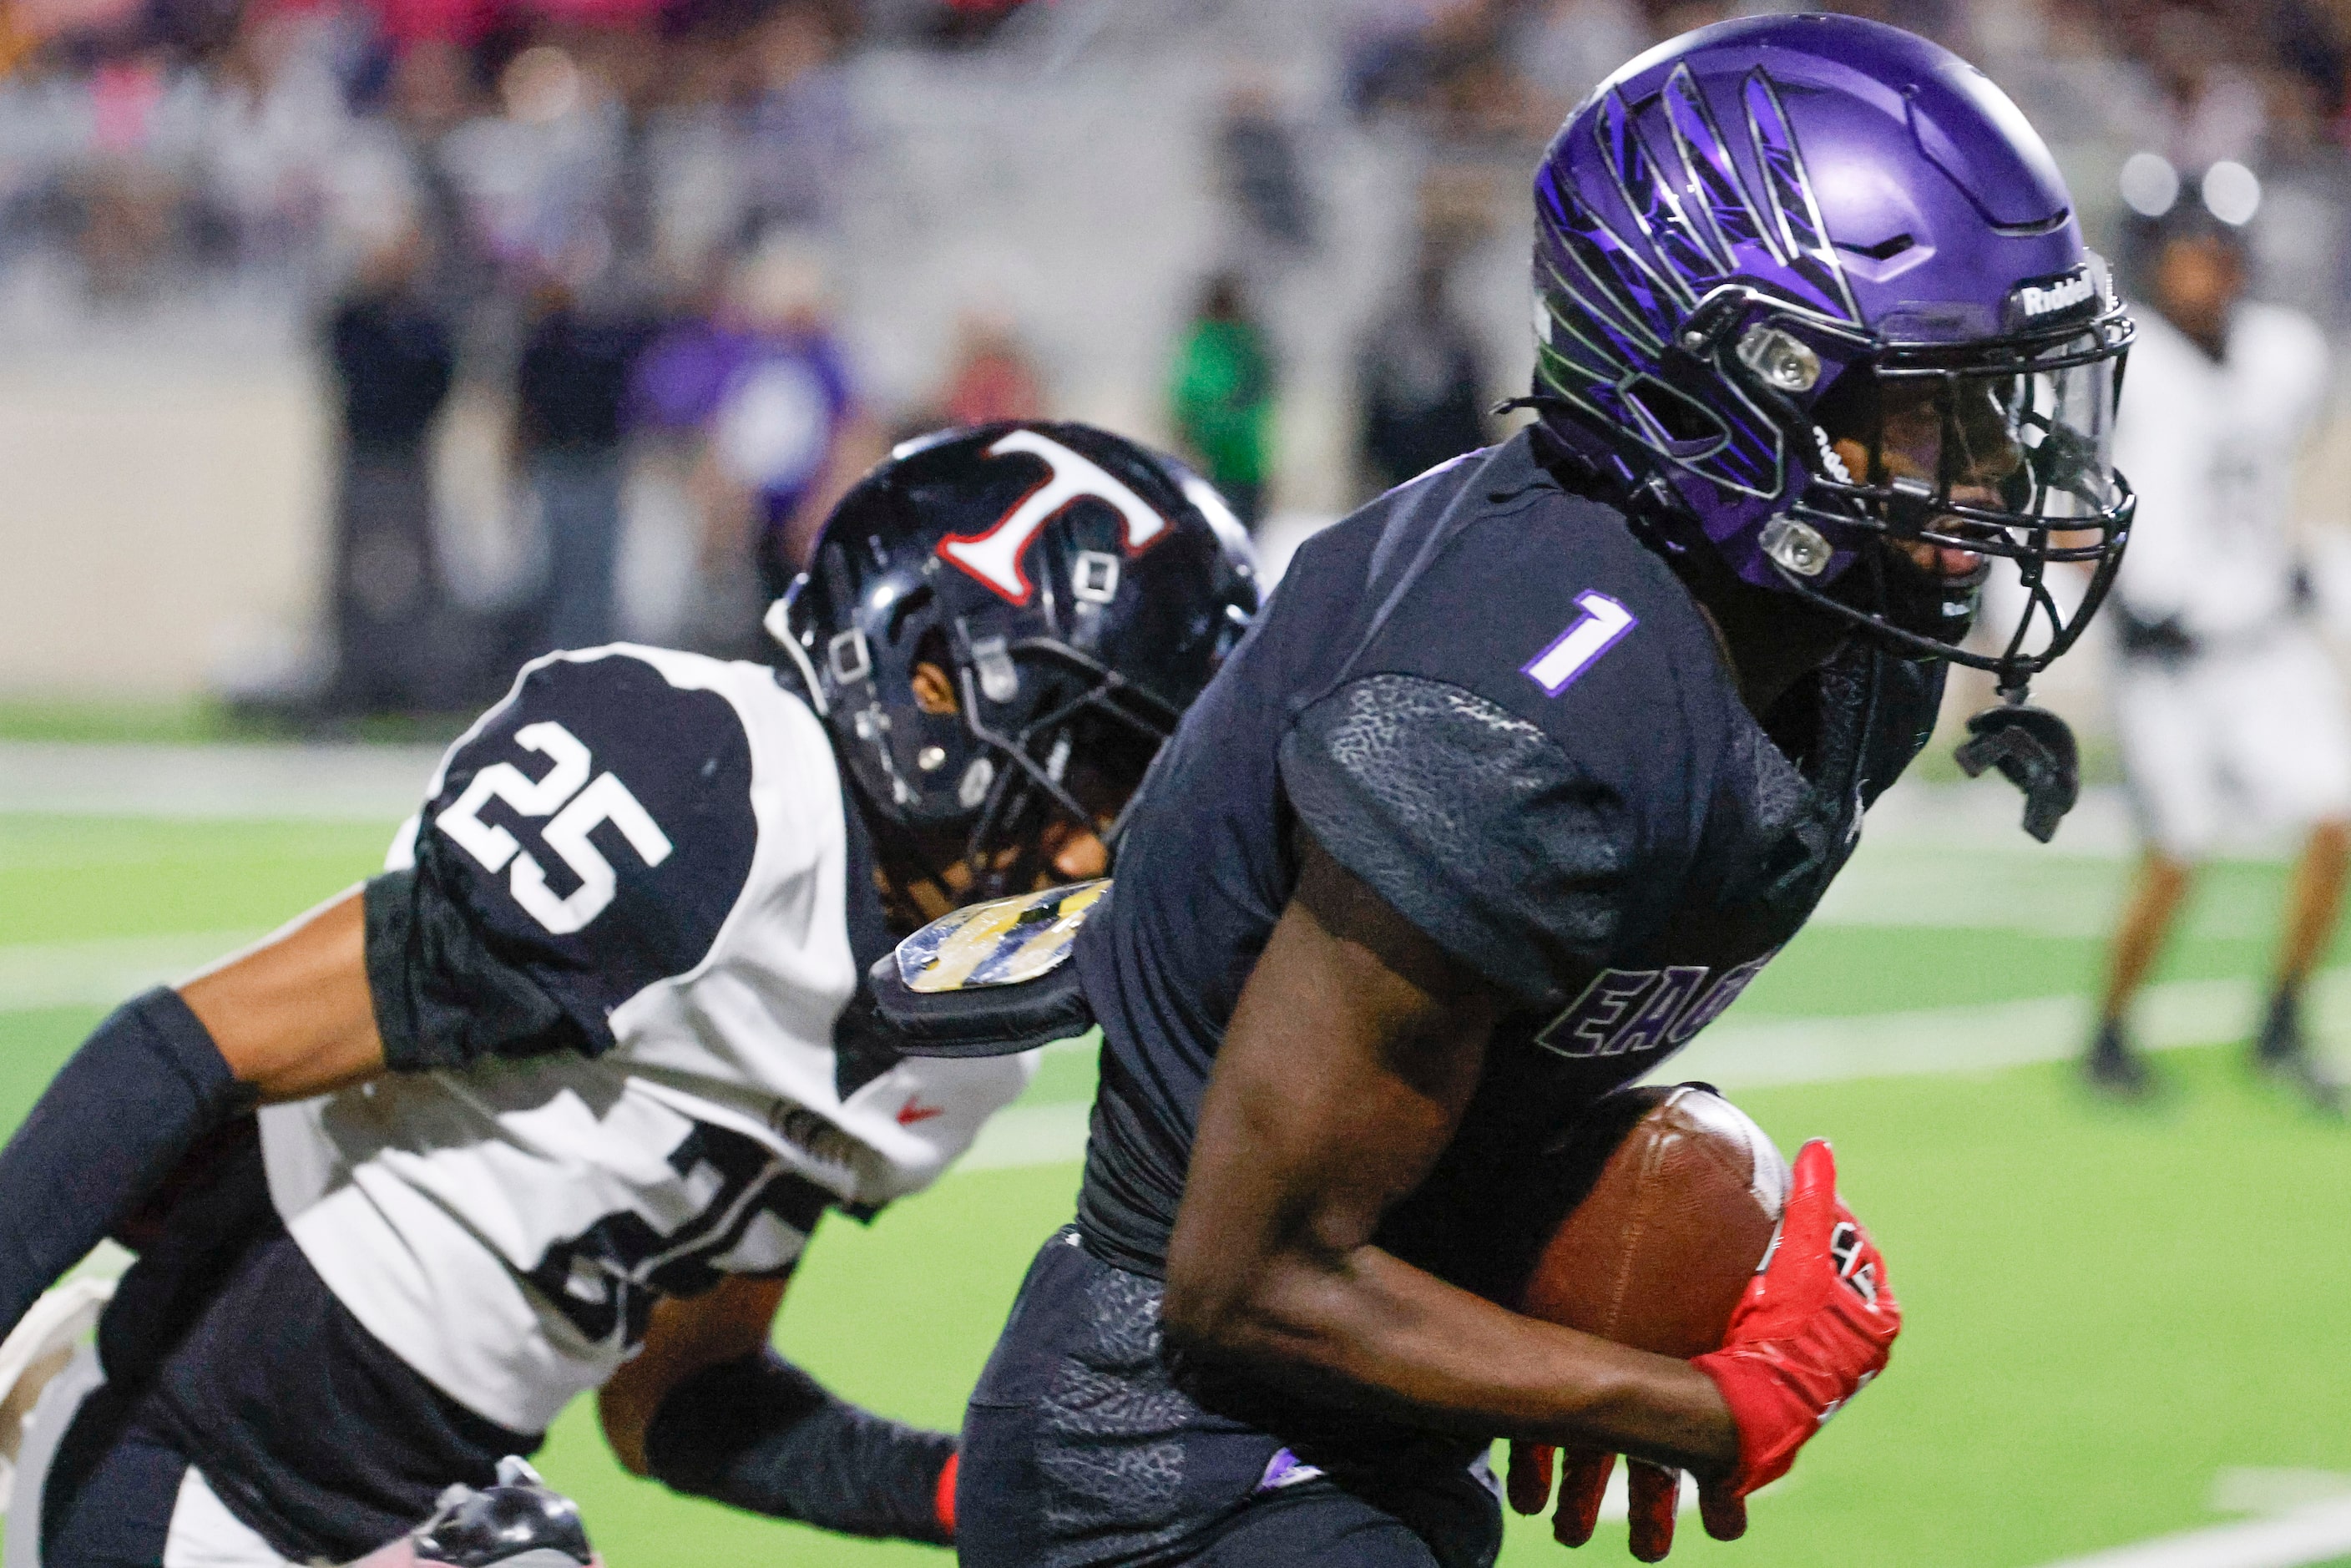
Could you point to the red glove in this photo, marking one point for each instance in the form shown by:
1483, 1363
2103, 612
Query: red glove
1815, 1326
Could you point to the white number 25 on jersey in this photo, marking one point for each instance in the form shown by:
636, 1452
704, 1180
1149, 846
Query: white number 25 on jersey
605, 801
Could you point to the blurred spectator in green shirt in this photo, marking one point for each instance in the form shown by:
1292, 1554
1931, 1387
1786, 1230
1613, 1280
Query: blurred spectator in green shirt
1221, 396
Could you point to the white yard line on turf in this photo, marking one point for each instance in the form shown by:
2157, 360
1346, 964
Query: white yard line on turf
1982, 1037
1735, 1054
347, 782
1773, 1053
2319, 1532
330, 783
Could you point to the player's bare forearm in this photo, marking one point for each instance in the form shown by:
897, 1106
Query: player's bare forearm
294, 1017
1347, 1066
1371, 1330
161, 1082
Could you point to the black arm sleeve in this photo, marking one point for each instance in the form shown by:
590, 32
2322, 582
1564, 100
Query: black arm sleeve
1470, 821
110, 1126
762, 1435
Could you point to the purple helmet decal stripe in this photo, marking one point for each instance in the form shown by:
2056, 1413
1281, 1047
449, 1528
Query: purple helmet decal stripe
1656, 298
1577, 267
1715, 186
1624, 304
1812, 258
1588, 372
1648, 193
1611, 353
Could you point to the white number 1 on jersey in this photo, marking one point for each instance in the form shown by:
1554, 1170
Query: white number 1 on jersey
605, 801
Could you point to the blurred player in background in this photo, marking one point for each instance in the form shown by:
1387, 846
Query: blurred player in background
1222, 393
555, 1103
1530, 769
2227, 703
394, 361
1420, 382
571, 393
768, 385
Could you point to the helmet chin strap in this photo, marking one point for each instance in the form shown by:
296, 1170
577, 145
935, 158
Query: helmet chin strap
2034, 749
2029, 746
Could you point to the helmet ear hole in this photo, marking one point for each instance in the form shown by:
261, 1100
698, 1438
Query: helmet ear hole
905, 610
1678, 422
932, 674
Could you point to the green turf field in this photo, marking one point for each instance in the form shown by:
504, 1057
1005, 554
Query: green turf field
2111, 1315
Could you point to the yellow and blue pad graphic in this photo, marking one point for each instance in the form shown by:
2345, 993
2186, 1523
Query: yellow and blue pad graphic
1000, 943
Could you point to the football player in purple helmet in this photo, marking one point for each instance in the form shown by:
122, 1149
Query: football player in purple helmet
1818, 304
1529, 768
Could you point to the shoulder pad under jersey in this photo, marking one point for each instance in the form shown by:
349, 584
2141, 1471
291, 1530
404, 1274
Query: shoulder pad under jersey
993, 980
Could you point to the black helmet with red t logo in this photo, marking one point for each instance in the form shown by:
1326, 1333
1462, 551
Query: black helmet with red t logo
1075, 591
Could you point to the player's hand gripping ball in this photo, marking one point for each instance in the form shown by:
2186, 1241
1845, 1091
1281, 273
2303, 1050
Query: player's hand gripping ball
1653, 1212
1667, 1202
1815, 1326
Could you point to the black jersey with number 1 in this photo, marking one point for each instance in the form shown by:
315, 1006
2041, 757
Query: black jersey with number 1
1490, 700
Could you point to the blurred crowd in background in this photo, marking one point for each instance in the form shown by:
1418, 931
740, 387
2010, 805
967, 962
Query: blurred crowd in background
620, 242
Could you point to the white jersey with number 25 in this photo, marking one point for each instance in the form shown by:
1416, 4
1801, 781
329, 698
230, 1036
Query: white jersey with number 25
642, 855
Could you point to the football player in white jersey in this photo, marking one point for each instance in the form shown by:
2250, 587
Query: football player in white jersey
2227, 704
554, 1103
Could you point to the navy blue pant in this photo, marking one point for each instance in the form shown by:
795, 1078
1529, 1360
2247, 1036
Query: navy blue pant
1084, 1446
223, 1345
121, 1489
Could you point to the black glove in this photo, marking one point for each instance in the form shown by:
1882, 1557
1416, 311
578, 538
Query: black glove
762, 1435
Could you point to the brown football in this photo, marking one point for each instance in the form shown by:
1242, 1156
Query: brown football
1666, 1199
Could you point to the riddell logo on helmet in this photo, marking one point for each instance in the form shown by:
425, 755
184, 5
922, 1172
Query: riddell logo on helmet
993, 555
2042, 299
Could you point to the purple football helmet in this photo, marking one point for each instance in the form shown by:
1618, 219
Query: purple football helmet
1814, 285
